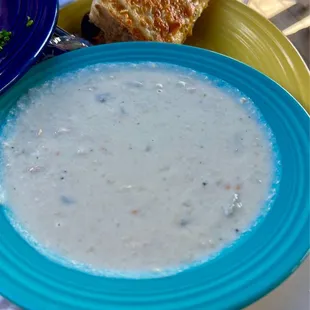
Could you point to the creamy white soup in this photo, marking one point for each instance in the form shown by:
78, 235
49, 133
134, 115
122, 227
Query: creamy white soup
136, 168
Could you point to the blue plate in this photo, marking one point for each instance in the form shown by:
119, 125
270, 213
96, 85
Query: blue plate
26, 42
254, 265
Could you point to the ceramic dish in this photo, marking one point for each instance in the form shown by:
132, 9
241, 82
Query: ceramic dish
26, 42
254, 265
233, 29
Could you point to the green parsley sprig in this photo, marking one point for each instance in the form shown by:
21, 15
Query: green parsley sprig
5, 37
29, 21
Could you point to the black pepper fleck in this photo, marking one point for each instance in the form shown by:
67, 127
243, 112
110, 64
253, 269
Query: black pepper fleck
91, 249
123, 111
184, 222
148, 148
101, 98
62, 178
204, 183
237, 230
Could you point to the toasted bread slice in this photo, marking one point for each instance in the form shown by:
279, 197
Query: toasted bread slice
146, 20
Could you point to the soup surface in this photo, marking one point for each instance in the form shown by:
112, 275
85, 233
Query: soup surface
136, 168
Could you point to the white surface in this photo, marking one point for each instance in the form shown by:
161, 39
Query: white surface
293, 294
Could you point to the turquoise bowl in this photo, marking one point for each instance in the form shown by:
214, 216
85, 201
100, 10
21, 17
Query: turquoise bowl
239, 275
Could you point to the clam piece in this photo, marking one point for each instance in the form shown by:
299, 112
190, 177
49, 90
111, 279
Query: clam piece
235, 205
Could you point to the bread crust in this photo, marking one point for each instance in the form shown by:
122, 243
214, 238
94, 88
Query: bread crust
146, 20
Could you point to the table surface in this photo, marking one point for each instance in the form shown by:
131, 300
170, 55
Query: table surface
293, 294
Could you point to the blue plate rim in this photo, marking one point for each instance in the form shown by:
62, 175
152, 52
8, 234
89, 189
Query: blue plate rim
134, 46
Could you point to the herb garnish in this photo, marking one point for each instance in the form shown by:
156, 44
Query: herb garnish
29, 21
5, 37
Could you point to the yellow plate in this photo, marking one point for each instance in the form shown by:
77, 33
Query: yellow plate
233, 29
